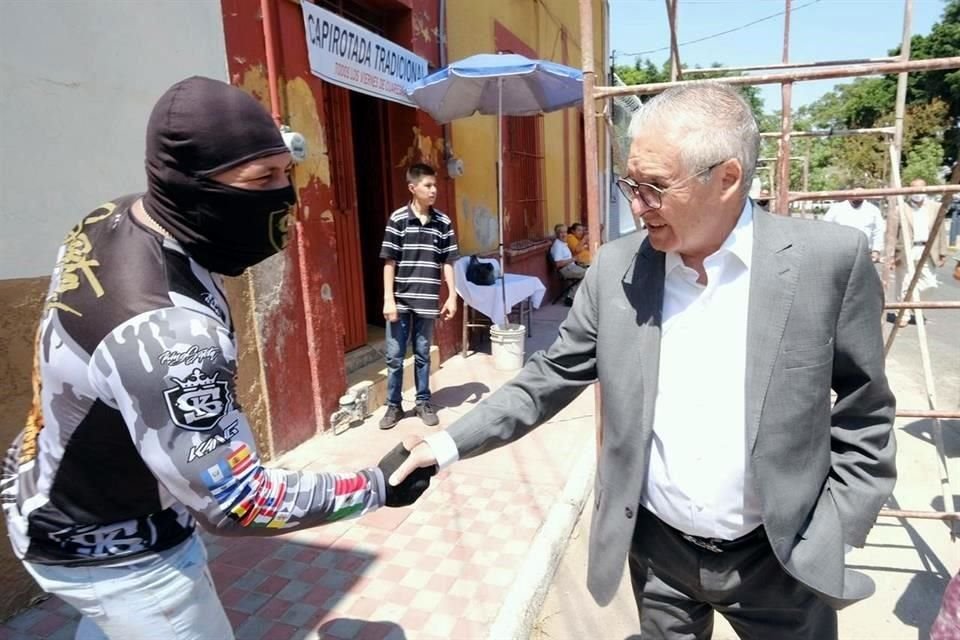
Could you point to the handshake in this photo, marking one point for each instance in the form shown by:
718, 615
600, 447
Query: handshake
407, 470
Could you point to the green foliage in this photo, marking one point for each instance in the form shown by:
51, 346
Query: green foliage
931, 134
924, 161
644, 71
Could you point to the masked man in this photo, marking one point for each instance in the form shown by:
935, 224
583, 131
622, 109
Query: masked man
135, 433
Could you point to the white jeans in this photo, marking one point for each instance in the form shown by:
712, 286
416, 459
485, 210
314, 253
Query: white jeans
928, 273
167, 598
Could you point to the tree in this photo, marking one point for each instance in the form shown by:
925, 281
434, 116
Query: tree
943, 41
644, 71
931, 136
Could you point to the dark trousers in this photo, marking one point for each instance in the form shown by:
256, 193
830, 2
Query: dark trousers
419, 330
679, 585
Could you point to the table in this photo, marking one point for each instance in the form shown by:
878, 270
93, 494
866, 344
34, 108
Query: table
488, 300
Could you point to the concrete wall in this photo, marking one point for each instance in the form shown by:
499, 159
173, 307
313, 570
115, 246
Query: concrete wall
77, 81
551, 28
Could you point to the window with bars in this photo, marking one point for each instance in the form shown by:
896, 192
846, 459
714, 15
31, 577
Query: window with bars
523, 179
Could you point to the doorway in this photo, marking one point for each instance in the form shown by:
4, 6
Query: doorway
370, 155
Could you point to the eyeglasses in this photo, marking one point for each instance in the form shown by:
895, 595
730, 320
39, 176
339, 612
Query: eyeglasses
652, 195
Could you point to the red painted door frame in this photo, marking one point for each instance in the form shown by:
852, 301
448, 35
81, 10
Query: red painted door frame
301, 327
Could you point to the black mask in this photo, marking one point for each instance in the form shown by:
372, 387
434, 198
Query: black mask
201, 127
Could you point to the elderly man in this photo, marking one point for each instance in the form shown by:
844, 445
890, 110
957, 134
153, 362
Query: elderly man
136, 435
726, 475
917, 216
564, 262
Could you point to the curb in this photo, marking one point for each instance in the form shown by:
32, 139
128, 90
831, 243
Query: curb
524, 599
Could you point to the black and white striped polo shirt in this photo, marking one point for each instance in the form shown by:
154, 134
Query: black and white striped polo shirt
420, 251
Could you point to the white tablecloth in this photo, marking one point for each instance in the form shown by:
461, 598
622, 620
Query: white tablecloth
488, 300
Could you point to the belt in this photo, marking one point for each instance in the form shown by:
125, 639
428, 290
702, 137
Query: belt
919, 243
719, 545
714, 545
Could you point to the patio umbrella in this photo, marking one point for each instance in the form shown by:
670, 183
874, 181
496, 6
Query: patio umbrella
497, 84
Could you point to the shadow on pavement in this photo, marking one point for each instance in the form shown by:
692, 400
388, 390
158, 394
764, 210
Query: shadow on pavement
919, 603
455, 396
923, 430
347, 628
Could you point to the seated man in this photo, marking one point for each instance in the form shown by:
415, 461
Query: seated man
578, 244
563, 259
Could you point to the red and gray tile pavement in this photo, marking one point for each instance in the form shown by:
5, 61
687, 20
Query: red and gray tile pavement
439, 569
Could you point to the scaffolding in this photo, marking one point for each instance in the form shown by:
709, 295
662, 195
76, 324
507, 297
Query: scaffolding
789, 73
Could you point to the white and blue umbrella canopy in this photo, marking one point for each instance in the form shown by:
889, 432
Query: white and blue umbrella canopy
473, 85
497, 85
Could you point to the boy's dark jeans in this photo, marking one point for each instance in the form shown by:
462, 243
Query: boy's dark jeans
419, 330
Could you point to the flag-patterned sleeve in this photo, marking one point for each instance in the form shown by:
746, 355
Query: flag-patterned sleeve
171, 374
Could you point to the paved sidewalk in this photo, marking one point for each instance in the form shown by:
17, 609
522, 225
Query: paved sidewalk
440, 569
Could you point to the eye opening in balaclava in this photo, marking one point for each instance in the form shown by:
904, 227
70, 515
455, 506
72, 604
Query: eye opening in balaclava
201, 127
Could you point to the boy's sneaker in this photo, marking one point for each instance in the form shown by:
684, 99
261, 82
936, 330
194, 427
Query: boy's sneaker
391, 417
426, 413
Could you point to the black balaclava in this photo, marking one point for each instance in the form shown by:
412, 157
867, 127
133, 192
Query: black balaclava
199, 128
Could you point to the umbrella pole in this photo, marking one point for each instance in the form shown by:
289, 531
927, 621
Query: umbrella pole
503, 263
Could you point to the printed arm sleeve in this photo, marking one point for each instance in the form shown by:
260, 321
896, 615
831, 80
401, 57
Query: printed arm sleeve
171, 373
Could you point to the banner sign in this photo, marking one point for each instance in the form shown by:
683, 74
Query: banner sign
348, 55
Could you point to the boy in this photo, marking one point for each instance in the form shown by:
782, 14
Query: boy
419, 243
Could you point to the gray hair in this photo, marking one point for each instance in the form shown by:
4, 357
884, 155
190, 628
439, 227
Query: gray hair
717, 124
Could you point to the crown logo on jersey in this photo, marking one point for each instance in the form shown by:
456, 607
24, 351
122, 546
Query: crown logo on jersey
198, 401
196, 380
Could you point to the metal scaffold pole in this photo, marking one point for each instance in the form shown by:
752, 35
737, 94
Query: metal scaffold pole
896, 153
591, 160
786, 123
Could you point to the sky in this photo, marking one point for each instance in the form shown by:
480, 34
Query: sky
824, 30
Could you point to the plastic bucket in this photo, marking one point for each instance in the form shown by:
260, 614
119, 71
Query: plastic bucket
508, 343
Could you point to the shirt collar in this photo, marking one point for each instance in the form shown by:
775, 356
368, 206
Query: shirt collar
412, 214
739, 242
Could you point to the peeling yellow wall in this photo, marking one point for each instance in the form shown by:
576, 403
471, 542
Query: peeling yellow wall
470, 30
304, 116
245, 292
22, 302
422, 148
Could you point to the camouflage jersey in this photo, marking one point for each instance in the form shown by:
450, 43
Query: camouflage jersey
135, 431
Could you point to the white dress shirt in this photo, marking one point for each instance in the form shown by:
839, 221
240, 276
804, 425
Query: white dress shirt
921, 224
698, 477
867, 219
560, 251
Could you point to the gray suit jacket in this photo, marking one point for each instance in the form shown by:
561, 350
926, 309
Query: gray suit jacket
823, 471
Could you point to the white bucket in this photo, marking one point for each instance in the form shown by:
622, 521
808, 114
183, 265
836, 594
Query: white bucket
508, 345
